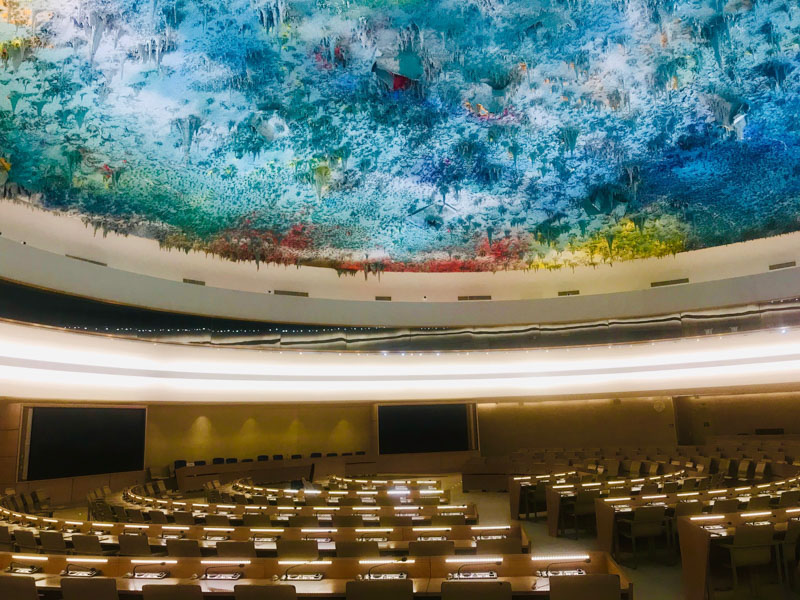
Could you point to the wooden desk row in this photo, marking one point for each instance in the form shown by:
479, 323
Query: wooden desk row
323, 495
698, 533
519, 484
557, 495
348, 483
427, 573
168, 506
390, 540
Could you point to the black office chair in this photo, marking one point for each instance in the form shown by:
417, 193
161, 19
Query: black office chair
230, 461
347, 454
14, 587
172, 592
277, 457
296, 456
331, 454
360, 453
316, 455
398, 589
96, 588
477, 590
262, 458
199, 463
178, 464
247, 460
264, 592
598, 586
218, 461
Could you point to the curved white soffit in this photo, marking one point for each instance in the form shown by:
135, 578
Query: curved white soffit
60, 253
42, 363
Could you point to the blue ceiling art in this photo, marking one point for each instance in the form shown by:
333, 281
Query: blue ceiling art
408, 135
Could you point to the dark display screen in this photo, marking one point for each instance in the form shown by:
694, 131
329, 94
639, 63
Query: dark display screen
69, 442
405, 429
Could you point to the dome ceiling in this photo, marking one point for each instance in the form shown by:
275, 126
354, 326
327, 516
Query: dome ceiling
408, 135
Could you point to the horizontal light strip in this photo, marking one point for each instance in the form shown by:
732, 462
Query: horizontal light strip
756, 514
225, 562
27, 557
374, 530
489, 527
564, 557
468, 560
153, 561
707, 518
53, 360
318, 530
266, 530
304, 562
431, 529
378, 561
92, 561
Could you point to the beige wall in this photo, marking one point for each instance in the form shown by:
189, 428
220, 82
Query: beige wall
245, 431
710, 416
575, 423
9, 442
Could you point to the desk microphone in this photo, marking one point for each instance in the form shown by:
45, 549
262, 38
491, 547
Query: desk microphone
209, 568
394, 562
73, 568
488, 562
285, 574
565, 562
16, 567
135, 569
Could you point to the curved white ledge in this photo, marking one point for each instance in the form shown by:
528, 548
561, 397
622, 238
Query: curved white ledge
42, 363
52, 251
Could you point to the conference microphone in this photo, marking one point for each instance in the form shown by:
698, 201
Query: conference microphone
565, 562
466, 564
394, 562
20, 568
73, 570
285, 574
156, 575
207, 573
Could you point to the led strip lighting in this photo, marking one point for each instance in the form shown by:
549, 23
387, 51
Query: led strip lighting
38, 361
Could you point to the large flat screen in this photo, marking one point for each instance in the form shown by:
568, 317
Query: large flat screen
69, 442
424, 428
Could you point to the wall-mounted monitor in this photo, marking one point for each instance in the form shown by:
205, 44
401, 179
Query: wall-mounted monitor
74, 441
409, 428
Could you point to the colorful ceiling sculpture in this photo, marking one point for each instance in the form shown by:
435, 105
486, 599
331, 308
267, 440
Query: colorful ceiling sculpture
414, 135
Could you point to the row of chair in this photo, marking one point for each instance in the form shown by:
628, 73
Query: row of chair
595, 586
54, 542
180, 463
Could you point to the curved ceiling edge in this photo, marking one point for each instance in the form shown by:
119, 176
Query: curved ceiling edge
61, 254
47, 364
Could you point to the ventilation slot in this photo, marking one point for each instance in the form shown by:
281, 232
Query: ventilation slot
291, 293
785, 265
467, 298
194, 281
383, 298
569, 293
88, 260
669, 282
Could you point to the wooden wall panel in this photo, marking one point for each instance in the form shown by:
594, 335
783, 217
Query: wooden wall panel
507, 427
245, 431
